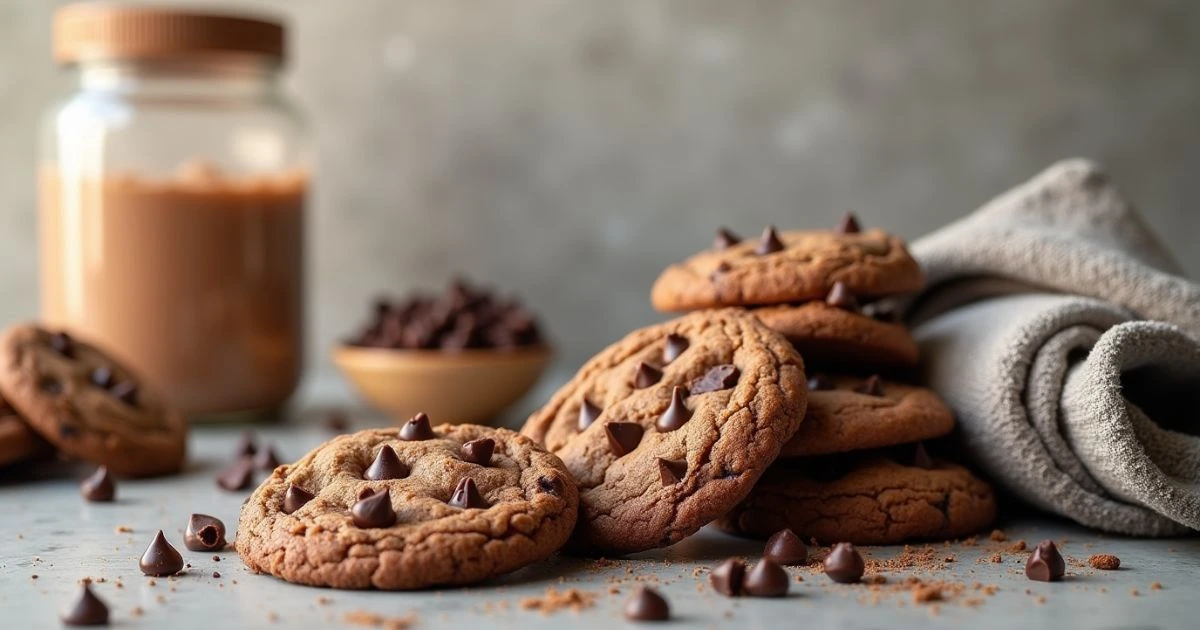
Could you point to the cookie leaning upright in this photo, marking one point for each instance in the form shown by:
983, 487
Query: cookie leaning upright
88, 405
419, 507
670, 427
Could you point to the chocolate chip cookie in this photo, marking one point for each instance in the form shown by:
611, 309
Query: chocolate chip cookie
410, 508
869, 501
841, 336
88, 405
847, 413
17, 441
788, 267
670, 427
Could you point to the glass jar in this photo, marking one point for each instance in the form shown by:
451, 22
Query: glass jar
171, 194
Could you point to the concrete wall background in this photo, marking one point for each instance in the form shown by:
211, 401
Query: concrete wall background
566, 150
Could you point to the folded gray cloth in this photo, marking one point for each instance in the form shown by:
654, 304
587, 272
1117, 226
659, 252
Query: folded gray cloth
1033, 328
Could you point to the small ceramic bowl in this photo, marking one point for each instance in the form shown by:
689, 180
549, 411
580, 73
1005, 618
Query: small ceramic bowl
469, 386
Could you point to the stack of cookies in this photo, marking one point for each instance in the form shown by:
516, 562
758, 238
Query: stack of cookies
856, 469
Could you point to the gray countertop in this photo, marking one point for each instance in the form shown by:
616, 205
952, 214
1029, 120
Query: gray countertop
49, 532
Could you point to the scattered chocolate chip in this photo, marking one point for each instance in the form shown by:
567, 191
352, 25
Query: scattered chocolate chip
873, 386
247, 444
623, 437
387, 465
295, 498
921, 458
374, 511
161, 559
62, 343
337, 421
844, 564
266, 459
671, 471
587, 414
820, 382
204, 533
718, 378
102, 377
677, 414
87, 610
766, 579
479, 451
769, 243
646, 376
216, 574
841, 297
417, 429
236, 476
466, 495
849, 224
676, 344
1045, 564
50, 385
786, 548
126, 392
647, 605
99, 486
725, 239
727, 577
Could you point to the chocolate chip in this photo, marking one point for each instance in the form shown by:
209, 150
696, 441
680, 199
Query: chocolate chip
102, 377
873, 386
766, 579
849, 224
769, 243
820, 382
295, 498
266, 459
841, 297
587, 414
676, 344
417, 429
550, 485
647, 605
99, 486
716, 379
161, 559
204, 533
62, 343
1045, 564
646, 375
126, 392
727, 577
479, 451
215, 574
721, 268
725, 239
623, 437
50, 385
844, 564
677, 414
387, 465
247, 444
786, 548
367, 492
671, 471
236, 476
921, 458
466, 495
87, 610
374, 511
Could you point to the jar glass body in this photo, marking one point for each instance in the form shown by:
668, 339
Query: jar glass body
171, 226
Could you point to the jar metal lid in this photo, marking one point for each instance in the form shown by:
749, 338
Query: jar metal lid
92, 31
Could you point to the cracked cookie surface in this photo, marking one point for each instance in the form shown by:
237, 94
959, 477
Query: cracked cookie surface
841, 419
828, 335
877, 501
88, 405
661, 450
870, 264
531, 508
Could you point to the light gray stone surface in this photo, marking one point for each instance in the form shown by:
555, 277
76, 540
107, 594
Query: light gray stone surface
47, 530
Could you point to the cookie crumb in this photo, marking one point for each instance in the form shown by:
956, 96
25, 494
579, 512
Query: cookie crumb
998, 535
137, 611
324, 601
1104, 562
1135, 592
996, 558
1156, 586
1017, 546
124, 529
365, 618
923, 594
554, 600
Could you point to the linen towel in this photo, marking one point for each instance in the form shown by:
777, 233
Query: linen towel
1062, 334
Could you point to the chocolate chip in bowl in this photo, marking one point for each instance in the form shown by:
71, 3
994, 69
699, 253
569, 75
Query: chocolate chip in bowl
425, 353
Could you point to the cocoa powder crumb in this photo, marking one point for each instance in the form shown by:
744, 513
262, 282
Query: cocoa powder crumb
554, 600
137, 611
124, 529
1104, 562
1134, 592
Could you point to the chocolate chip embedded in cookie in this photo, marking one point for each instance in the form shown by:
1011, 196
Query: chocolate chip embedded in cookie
832, 336
840, 419
656, 463
88, 405
445, 515
877, 501
788, 267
